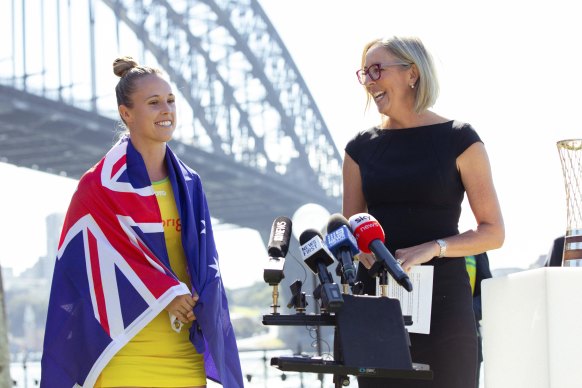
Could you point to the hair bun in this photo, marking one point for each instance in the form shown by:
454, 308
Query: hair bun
123, 64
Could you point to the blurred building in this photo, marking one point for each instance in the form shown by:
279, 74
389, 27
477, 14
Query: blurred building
27, 296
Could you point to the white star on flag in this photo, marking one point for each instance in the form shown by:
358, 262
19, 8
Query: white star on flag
216, 268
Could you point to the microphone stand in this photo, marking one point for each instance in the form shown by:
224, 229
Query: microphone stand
275, 304
318, 311
356, 289
381, 272
273, 274
383, 282
298, 300
345, 286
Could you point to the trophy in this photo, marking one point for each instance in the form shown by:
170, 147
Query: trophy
570, 152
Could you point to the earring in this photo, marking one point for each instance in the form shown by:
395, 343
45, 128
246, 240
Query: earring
411, 86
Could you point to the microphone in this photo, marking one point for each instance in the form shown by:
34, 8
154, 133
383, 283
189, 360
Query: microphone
277, 250
343, 245
318, 257
370, 237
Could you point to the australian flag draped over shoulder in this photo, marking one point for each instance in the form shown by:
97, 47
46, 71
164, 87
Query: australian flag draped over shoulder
112, 274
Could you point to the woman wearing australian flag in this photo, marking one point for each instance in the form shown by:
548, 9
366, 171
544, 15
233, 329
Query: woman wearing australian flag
137, 299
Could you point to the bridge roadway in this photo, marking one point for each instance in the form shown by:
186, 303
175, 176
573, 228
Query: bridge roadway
54, 137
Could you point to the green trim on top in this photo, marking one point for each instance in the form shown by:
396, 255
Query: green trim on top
162, 181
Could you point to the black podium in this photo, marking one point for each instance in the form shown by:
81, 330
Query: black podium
370, 342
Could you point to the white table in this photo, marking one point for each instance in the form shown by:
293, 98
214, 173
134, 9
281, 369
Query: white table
532, 329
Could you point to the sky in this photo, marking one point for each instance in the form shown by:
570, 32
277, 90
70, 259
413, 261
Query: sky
509, 68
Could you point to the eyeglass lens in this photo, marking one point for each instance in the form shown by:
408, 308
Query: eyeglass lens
373, 71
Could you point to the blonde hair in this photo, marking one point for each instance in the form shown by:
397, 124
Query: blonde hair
411, 50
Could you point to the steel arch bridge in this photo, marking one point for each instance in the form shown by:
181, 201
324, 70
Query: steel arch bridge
249, 124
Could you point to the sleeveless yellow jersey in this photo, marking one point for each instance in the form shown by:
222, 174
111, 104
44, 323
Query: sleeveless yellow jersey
158, 356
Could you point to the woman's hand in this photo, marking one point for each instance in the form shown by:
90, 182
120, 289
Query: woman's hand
416, 255
182, 307
367, 259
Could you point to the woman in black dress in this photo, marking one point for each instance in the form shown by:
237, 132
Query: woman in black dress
411, 173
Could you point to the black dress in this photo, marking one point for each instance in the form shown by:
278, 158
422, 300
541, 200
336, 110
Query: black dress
412, 186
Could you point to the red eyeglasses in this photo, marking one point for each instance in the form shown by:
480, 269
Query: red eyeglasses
375, 71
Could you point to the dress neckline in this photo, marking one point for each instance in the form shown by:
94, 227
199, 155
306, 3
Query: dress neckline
396, 130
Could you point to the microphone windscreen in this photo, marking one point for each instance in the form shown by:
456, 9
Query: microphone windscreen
308, 234
336, 221
314, 251
280, 237
366, 229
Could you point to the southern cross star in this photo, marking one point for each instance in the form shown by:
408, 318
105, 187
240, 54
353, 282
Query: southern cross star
216, 268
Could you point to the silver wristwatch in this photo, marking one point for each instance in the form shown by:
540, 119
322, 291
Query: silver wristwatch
443, 247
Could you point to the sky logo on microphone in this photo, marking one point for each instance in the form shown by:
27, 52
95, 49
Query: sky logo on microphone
360, 218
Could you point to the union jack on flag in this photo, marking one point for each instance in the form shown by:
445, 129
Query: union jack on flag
112, 275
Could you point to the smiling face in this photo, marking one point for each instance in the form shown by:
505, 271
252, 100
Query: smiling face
391, 92
151, 119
